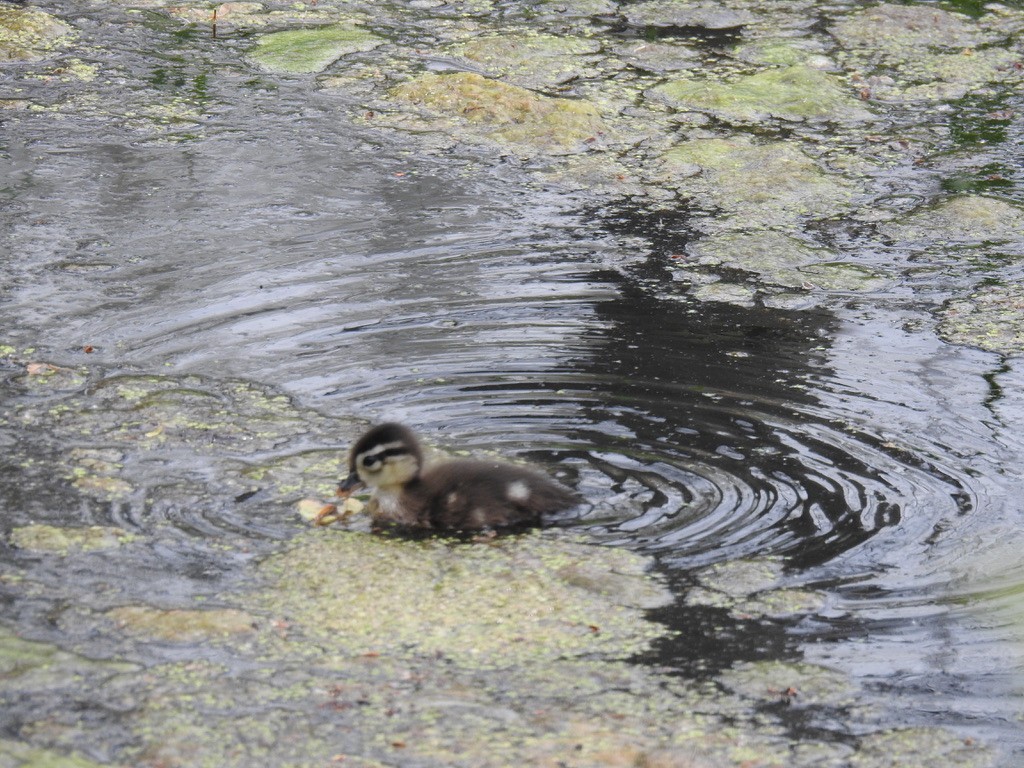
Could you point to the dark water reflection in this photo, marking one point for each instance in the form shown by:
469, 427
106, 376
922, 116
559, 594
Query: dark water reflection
883, 464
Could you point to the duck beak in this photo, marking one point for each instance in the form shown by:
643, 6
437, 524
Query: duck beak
349, 484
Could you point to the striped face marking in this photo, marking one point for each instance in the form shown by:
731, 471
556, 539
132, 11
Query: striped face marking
387, 464
372, 459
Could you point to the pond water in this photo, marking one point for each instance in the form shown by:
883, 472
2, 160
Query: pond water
258, 232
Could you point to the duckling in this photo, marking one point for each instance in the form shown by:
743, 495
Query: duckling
455, 495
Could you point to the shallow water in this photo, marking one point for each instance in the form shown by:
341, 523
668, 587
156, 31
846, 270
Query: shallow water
273, 242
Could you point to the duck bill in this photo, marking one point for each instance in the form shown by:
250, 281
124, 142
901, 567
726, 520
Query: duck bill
349, 484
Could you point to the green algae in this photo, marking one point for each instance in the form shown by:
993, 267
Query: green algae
903, 31
794, 93
29, 664
920, 748
658, 56
990, 318
30, 35
684, 13
182, 626
306, 51
15, 754
725, 293
314, 472
521, 600
962, 220
63, 541
752, 588
799, 683
530, 60
782, 260
769, 185
923, 53
504, 113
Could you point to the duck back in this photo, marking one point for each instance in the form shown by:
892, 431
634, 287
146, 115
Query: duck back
470, 495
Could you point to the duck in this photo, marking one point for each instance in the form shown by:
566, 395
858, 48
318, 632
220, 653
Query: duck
456, 495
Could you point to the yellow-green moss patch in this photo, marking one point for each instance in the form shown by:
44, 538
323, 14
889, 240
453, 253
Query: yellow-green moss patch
782, 260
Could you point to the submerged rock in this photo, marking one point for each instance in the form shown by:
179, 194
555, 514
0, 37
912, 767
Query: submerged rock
792, 93
305, 51
506, 114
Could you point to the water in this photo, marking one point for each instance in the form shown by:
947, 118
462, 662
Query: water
275, 243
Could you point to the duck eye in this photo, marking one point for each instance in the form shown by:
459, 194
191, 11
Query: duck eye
370, 462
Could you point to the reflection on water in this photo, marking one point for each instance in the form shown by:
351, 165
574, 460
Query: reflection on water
374, 284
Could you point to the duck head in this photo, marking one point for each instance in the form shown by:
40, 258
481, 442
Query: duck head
387, 457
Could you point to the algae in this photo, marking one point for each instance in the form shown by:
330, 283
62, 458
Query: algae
920, 748
521, 600
31, 35
50, 538
900, 31
990, 318
782, 260
795, 93
306, 51
530, 60
504, 113
15, 754
686, 13
756, 185
798, 684
965, 220
923, 53
183, 626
